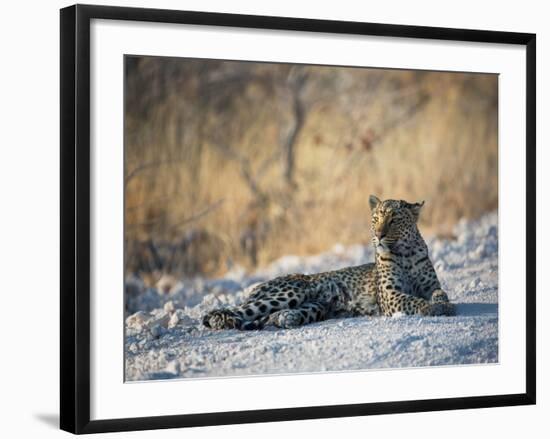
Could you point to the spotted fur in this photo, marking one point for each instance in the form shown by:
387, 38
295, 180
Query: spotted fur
401, 280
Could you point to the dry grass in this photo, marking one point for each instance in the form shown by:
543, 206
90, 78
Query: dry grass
211, 165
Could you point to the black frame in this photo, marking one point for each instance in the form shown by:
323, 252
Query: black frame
75, 217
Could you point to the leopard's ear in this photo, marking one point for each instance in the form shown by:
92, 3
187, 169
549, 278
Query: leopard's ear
374, 201
415, 209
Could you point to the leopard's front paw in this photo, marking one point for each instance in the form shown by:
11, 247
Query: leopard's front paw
442, 309
440, 305
221, 319
286, 319
440, 296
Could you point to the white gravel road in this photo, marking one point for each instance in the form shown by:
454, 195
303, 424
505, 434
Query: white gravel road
164, 337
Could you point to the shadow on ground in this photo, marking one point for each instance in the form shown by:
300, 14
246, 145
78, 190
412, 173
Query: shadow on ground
476, 309
50, 419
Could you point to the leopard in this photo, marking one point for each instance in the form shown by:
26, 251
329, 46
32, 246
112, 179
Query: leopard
401, 281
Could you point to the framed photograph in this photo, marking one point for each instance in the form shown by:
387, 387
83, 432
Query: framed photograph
268, 218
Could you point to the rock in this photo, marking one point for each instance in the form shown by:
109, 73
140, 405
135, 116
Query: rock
157, 331
173, 367
137, 320
169, 307
174, 320
184, 319
161, 320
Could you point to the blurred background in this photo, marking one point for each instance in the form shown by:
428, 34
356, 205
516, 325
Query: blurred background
239, 163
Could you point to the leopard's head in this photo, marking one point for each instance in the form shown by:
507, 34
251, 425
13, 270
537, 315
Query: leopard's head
392, 221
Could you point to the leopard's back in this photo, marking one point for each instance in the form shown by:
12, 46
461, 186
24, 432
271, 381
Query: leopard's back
356, 286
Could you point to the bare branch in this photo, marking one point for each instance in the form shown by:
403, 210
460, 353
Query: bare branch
199, 215
146, 166
296, 83
208, 209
